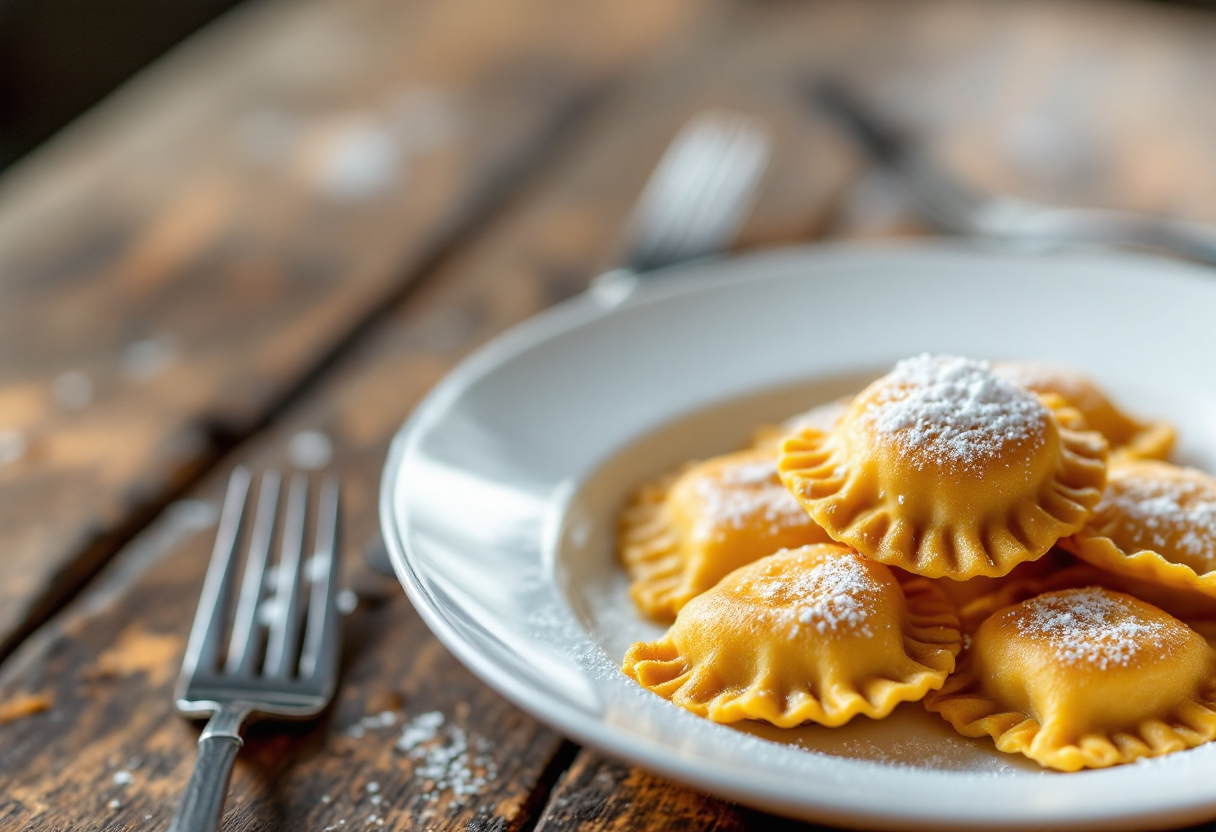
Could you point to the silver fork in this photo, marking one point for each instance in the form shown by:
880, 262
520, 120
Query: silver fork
286, 680
695, 201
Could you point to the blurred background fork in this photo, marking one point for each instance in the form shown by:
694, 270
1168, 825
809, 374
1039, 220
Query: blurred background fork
281, 656
954, 207
695, 200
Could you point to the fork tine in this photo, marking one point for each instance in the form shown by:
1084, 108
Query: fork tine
285, 623
701, 187
664, 198
700, 191
721, 210
671, 220
241, 657
720, 195
321, 632
206, 632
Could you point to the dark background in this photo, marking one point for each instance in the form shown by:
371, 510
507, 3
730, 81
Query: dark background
59, 57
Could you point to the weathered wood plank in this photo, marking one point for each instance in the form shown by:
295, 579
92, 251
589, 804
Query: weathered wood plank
109, 753
107, 661
598, 794
177, 262
1079, 102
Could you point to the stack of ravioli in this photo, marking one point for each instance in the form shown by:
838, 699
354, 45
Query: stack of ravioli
998, 541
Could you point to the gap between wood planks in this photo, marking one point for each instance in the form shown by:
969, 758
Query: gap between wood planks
538, 802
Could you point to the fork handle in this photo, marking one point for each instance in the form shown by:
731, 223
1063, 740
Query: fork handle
202, 806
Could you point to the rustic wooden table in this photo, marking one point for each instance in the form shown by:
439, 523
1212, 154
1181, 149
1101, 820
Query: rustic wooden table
277, 239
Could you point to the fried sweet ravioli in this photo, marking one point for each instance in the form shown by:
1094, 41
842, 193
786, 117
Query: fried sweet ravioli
680, 536
1083, 678
946, 470
1127, 436
1195, 609
815, 634
1156, 522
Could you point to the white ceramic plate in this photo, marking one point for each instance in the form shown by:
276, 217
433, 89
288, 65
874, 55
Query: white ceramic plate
500, 495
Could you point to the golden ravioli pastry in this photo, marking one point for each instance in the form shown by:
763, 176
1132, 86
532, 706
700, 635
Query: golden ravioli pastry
946, 470
1083, 678
1156, 522
968, 593
816, 634
1015, 589
823, 418
1127, 436
1194, 608
680, 536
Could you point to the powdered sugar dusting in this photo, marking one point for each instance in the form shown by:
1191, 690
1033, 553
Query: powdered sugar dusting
836, 596
953, 411
747, 492
1090, 626
1168, 514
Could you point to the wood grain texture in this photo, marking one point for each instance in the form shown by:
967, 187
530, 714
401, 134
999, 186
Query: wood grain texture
110, 753
598, 794
1080, 102
108, 660
175, 264
105, 664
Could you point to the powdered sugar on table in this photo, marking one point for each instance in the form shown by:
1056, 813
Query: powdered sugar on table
954, 411
446, 758
1090, 626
